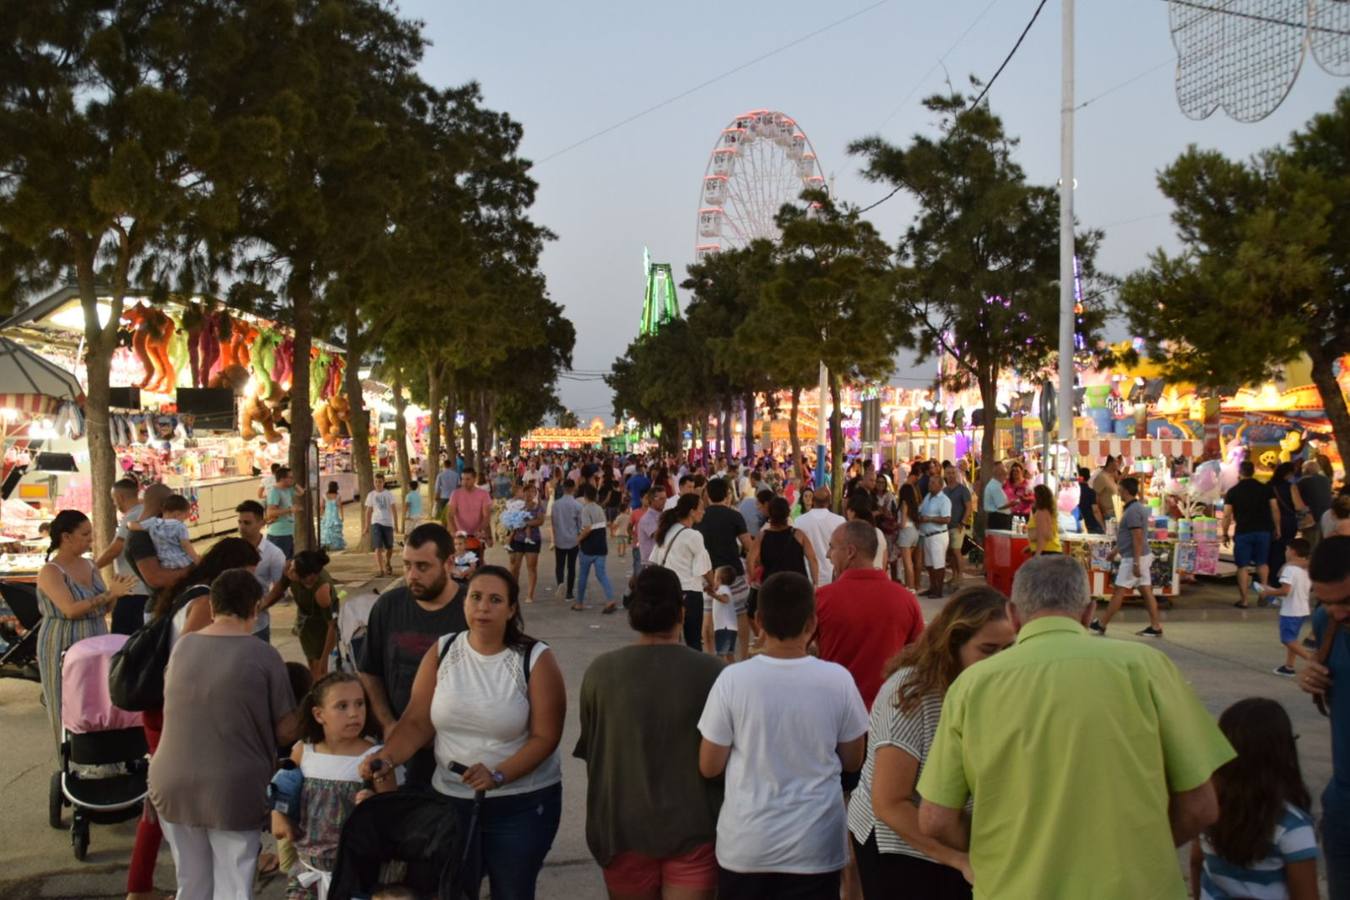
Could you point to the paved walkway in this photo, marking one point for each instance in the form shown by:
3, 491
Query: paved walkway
1226, 654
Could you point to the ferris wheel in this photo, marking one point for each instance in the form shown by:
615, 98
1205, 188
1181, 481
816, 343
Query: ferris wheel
761, 161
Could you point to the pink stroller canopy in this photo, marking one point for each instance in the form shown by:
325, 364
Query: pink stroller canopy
85, 703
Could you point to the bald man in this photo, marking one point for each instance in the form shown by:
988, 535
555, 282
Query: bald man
140, 550
819, 524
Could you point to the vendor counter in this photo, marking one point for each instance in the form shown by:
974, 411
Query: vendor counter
215, 500
1006, 551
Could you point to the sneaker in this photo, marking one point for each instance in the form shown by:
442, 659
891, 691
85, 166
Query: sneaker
1150, 631
1286, 671
1097, 627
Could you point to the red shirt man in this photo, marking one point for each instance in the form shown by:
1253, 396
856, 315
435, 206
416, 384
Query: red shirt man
863, 617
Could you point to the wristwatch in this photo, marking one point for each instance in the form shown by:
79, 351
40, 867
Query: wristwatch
498, 779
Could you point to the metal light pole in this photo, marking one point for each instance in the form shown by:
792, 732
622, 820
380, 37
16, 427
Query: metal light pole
1066, 241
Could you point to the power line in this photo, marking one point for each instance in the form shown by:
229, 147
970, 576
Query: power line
1257, 17
716, 78
1170, 61
941, 59
1007, 59
1011, 53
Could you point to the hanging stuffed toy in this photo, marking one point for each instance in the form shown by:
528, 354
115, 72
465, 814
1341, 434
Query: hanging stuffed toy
194, 322
265, 363
318, 375
159, 328
333, 386
209, 343
179, 354
136, 315
284, 370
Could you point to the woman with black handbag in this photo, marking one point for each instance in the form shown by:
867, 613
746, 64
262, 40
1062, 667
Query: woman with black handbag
680, 548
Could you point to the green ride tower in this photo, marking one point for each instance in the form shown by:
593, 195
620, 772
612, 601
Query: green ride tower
659, 305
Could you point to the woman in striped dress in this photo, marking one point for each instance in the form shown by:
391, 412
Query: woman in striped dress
73, 600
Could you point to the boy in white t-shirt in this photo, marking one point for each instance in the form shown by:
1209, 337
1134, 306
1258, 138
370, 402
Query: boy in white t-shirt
724, 614
783, 727
1293, 593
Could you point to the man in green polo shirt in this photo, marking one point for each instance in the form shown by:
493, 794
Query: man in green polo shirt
1088, 761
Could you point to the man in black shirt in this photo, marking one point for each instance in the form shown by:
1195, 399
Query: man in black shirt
726, 535
1252, 505
1315, 489
404, 624
139, 550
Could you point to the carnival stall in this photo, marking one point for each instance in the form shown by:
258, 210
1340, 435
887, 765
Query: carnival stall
200, 398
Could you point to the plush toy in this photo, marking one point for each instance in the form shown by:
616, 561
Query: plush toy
256, 414
318, 374
137, 315
264, 358
194, 320
160, 329
333, 386
331, 418
208, 348
284, 369
179, 352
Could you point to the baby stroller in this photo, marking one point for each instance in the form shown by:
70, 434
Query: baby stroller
353, 614
19, 659
417, 829
104, 757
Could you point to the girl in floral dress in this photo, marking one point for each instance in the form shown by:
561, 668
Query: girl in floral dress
337, 734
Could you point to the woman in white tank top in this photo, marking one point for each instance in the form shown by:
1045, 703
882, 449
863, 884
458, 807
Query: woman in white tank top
492, 700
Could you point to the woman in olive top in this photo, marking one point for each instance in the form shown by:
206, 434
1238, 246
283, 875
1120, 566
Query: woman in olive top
651, 820
316, 606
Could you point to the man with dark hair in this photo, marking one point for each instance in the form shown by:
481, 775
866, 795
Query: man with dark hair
281, 510
755, 510
865, 618
1329, 572
566, 520
786, 719
638, 485
726, 537
1256, 511
446, 482
272, 562
1088, 512
128, 613
1136, 561
404, 623
470, 509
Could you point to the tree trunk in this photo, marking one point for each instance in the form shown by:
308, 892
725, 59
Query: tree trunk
988, 443
100, 341
836, 443
450, 412
467, 400
301, 294
360, 416
795, 438
401, 437
749, 402
515, 446
486, 424
1333, 400
704, 446
434, 426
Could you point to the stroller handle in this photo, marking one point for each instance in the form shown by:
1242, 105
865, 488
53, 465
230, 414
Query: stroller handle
459, 769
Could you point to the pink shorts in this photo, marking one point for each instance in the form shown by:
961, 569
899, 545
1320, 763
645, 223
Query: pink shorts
634, 873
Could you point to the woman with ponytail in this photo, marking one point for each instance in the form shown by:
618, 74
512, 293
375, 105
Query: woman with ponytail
680, 548
73, 600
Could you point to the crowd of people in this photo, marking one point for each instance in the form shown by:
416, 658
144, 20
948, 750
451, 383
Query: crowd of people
785, 724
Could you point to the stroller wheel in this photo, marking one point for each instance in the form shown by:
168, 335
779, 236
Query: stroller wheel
79, 839
55, 801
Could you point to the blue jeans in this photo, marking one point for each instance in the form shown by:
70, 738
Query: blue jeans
637, 560
1336, 843
515, 834
285, 543
599, 562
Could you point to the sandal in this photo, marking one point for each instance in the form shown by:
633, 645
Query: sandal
268, 864
1241, 605
576, 607
609, 609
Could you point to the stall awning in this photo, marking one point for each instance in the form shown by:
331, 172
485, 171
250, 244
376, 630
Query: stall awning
1139, 448
29, 405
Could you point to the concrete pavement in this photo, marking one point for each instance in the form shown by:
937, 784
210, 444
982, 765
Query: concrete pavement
1225, 653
